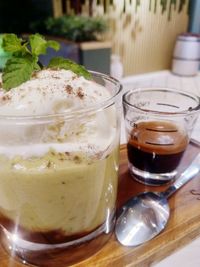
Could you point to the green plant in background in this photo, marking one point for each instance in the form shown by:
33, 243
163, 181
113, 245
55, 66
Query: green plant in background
76, 28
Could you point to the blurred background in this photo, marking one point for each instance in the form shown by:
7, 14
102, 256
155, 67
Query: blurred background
135, 36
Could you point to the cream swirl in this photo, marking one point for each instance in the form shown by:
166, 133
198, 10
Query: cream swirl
52, 92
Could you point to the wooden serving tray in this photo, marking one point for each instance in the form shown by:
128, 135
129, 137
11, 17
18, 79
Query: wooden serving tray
183, 226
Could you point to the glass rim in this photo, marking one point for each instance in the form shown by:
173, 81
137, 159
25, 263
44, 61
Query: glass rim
71, 113
193, 96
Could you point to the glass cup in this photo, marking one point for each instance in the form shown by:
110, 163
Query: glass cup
58, 181
158, 123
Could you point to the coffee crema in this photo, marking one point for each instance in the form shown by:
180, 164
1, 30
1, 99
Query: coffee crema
156, 146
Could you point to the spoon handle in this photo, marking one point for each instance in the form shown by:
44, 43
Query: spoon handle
186, 176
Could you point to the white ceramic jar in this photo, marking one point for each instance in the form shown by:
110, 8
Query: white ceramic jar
186, 56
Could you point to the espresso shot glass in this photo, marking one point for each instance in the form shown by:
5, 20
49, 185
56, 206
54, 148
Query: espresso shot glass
158, 126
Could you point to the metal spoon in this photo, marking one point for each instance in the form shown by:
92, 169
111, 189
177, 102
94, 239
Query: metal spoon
146, 215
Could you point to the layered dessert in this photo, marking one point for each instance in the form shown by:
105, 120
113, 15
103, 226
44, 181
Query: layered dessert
58, 157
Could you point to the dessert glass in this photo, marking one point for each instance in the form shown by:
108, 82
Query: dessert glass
57, 208
159, 123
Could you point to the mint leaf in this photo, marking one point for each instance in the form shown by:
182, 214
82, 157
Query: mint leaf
39, 45
11, 43
53, 44
62, 63
36, 65
17, 71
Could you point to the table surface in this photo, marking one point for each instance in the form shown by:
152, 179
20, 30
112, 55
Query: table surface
183, 227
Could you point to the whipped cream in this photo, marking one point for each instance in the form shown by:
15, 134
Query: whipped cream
52, 92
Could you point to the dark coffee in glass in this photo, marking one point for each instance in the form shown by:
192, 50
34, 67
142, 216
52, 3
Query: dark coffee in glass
156, 146
158, 126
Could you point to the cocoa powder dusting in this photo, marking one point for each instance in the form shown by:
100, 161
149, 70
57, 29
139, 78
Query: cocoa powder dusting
69, 89
80, 93
34, 75
55, 77
49, 164
77, 159
74, 77
6, 98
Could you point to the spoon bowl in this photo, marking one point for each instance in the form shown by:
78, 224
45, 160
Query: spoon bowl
144, 216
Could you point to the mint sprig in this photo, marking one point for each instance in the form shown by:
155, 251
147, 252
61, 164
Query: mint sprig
25, 59
63, 63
